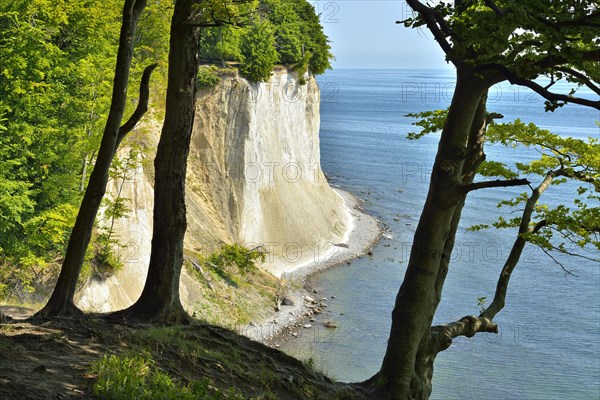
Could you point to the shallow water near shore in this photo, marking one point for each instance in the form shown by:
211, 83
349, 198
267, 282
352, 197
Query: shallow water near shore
549, 343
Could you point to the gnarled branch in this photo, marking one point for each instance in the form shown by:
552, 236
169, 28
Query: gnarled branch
466, 326
141, 108
539, 89
551, 96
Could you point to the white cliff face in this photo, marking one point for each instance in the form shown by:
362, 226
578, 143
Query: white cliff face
134, 233
254, 178
256, 157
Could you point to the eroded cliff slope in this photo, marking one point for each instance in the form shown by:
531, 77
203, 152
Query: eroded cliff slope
254, 178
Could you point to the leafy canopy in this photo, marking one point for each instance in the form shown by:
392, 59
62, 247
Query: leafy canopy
56, 69
286, 32
520, 41
569, 229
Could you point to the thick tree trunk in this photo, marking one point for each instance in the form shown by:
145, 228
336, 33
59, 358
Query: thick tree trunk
407, 366
61, 301
160, 298
430, 344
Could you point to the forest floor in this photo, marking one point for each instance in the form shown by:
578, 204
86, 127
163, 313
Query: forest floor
55, 358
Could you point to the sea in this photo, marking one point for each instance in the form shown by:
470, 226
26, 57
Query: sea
548, 346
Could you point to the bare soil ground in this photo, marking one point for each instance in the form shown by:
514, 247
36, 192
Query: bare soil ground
51, 358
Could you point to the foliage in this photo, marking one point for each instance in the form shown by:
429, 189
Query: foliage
137, 377
56, 69
234, 255
521, 42
107, 246
300, 37
488, 41
258, 54
221, 43
207, 76
429, 121
57, 62
568, 229
201, 362
290, 27
230, 299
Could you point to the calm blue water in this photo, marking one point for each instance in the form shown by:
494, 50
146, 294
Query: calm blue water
549, 344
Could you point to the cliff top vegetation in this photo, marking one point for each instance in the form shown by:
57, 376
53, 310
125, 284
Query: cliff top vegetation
56, 77
269, 32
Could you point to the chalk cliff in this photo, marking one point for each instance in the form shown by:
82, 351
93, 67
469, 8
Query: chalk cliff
254, 178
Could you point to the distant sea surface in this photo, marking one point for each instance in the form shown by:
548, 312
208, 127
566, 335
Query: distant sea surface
549, 343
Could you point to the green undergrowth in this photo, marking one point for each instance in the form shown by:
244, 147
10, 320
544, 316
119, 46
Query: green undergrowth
233, 290
206, 362
111, 359
137, 377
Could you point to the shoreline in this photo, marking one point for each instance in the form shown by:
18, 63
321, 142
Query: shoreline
301, 302
305, 302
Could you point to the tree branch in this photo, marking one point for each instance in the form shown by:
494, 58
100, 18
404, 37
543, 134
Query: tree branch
496, 183
439, 30
553, 60
580, 176
466, 326
545, 93
583, 21
584, 79
141, 108
517, 249
536, 228
492, 5
565, 270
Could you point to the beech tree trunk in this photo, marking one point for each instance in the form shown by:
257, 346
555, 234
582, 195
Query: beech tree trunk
61, 301
160, 297
407, 367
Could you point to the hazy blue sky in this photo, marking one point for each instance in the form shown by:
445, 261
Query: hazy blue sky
364, 35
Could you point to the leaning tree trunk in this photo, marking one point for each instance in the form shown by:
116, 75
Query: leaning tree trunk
430, 344
160, 298
408, 362
61, 301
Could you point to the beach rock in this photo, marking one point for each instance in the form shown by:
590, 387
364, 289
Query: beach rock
309, 299
330, 324
294, 334
324, 305
287, 301
307, 326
